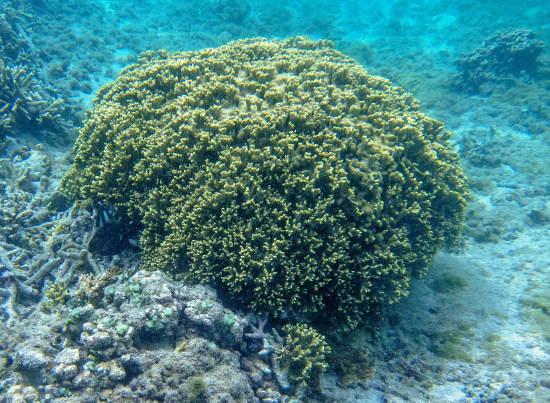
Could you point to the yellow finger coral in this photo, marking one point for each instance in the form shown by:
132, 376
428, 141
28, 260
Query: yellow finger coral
303, 357
279, 170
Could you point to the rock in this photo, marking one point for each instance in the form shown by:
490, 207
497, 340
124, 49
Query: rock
14, 395
31, 394
68, 356
29, 360
99, 340
84, 380
65, 371
113, 371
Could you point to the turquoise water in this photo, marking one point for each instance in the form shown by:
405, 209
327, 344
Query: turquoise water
81, 321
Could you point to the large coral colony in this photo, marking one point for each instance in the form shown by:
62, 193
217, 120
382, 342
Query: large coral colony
277, 171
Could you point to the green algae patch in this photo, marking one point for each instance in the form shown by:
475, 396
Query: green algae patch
197, 390
535, 309
351, 365
537, 218
482, 185
492, 344
493, 338
488, 234
448, 345
449, 283
451, 351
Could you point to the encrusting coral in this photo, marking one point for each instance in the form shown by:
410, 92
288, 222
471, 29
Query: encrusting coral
280, 170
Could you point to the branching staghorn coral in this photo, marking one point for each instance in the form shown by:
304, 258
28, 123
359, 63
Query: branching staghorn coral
58, 256
25, 105
41, 240
14, 18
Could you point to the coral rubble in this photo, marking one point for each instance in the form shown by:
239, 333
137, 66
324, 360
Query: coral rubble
280, 170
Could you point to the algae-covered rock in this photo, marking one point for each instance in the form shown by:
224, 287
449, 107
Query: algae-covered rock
279, 170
